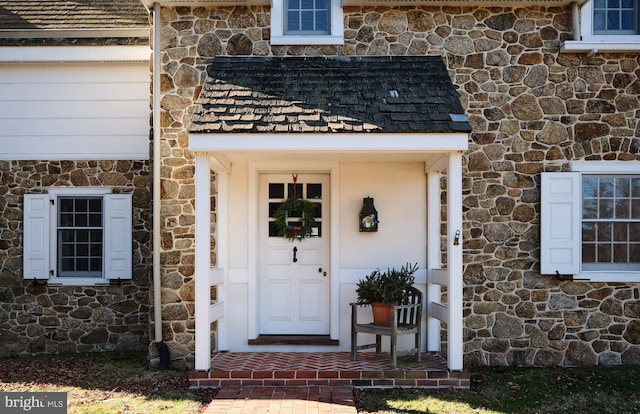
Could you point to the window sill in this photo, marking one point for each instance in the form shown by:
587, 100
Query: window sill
608, 277
599, 46
307, 40
77, 281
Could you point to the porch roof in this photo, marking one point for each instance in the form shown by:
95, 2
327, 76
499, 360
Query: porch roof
398, 94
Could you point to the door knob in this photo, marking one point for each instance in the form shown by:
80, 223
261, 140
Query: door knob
295, 252
324, 274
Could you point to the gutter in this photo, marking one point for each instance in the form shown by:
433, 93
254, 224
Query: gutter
157, 284
73, 33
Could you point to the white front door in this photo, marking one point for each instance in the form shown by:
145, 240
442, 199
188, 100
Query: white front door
294, 275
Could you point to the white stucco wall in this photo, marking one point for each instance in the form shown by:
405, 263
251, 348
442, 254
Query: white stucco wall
399, 190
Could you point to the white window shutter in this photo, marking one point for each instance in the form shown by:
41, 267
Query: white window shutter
117, 236
560, 223
36, 237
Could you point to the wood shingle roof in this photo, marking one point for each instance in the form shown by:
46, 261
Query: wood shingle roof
72, 14
318, 94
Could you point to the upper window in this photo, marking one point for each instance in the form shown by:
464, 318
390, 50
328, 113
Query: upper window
615, 17
307, 17
590, 224
606, 26
77, 236
307, 22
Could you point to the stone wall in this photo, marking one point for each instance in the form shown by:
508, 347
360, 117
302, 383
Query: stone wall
36, 318
532, 110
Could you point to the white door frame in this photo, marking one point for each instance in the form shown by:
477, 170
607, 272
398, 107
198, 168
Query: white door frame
255, 170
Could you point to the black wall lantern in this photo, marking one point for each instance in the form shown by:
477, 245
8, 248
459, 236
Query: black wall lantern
368, 216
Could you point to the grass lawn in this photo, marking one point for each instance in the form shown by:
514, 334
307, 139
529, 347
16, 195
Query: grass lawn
105, 383
592, 390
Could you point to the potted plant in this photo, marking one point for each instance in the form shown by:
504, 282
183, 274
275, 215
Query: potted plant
383, 289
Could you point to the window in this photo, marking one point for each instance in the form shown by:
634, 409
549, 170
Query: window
610, 222
590, 223
606, 26
307, 22
307, 17
615, 17
77, 236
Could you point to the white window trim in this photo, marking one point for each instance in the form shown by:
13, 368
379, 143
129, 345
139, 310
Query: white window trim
592, 43
279, 38
567, 247
117, 237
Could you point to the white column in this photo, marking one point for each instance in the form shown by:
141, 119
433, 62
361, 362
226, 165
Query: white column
433, 256
454, 261
222, 243
202, 262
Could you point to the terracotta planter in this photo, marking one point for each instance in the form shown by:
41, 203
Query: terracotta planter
381, 314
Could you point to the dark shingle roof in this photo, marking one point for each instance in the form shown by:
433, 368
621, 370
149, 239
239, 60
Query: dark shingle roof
72, 14
318, 94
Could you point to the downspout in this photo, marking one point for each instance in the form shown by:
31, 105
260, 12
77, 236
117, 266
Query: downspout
575, 19
163, 350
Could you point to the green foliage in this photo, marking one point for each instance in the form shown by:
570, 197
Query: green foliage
295, 218
386, 287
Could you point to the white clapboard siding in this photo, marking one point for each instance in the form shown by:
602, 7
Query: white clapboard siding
74, 111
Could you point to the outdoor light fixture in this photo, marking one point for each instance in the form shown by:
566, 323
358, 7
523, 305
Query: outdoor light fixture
368, 216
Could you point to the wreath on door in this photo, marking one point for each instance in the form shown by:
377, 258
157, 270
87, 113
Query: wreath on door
302, 211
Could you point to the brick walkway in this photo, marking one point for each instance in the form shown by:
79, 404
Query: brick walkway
280, 400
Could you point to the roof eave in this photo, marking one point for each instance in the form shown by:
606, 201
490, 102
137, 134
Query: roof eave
175, 3
74, 33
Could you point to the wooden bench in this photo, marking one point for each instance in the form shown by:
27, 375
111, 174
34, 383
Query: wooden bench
405, 319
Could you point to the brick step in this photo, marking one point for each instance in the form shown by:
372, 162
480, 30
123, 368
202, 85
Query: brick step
332, 369
303, 378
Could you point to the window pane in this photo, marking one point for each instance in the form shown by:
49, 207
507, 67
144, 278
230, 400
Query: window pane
82, 250
588, 253
322, 4
605, 208
272, 208
293, 4
634, 232
620, 253
604, 253
307, 5
293, 21
276, 190
620, 232
604, 231
622, 209
634, 253
590, 209
314, 191
627, 4
605, 187
66, 204
82, 265
96, 265
81, 205
635, 187
588, 232
627, 21
322, 20
318, 207
613, 4
599, 4
298, 190
307, 20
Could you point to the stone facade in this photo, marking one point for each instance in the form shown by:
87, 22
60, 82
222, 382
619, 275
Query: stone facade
36, 318
532, 109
